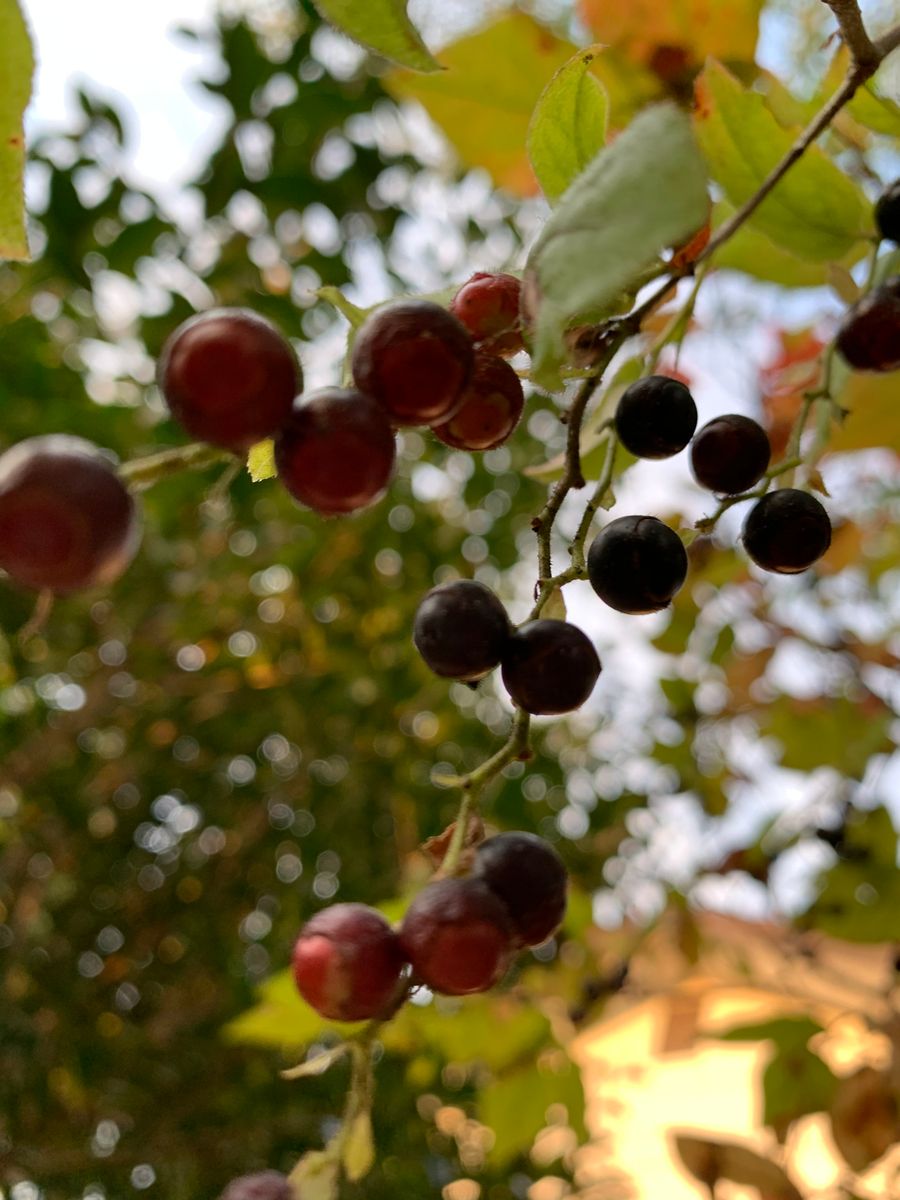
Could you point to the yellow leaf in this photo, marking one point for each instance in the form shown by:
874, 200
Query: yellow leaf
873, 417
652, 32
261, 460
16, 67
359, 1148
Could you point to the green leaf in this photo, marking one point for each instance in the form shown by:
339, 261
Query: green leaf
382, 26
796, 1082
261, 461
515, 1107
16, 69
873, 414
643, 193
876, 112
484, 100
859, 896
568, 126
815, 211
358, 1151
787, 1033
826, 731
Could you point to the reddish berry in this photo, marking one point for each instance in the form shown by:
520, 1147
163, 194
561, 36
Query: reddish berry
656, 417
335, 452
66, 519
264, 1185
488, 306
229, 377
415, 359
549, 667
636, 564
786, 531
347, 963
457, 936
491, 407
869, 335
527, 874
461, 630
730, 454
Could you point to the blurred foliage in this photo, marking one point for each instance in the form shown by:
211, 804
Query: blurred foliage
239, 732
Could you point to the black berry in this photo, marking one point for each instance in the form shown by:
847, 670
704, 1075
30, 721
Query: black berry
415, 359
887, 212
549, 667
786, 531
729, 454
229, 377
491, 407
461, 630
347, 963
637, 564
869, 335
529, 877
457, 936
488, 306
656, 417
66, 519
335, 452
264, 1185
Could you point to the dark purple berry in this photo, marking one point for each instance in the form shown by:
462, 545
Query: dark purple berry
457, 936
869, 335
67, 521
637, 564
491, 407
786, 531
656, 417
887, 212
335, 451
229, 377
461, 630
264, 1185
529, 877
347, 963
729, 454
549, 667
415, 359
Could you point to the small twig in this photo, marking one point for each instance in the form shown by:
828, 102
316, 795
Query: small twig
142, 473
853, 32
43, 607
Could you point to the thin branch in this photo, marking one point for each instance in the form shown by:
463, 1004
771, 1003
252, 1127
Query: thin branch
853, 32
142, 473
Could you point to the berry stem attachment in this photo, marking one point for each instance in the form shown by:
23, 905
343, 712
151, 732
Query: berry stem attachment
143, 473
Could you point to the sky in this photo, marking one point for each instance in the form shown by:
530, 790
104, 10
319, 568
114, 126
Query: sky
129, 51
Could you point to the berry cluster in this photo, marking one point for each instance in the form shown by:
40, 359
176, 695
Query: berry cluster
458, 936
462, 631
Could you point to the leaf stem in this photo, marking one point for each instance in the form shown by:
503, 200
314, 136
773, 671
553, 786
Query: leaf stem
142, 473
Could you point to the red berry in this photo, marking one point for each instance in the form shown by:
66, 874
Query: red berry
869, 335
347, 963
415, 359
488, 306
490, 410
458, 937
229, 377
527, 874
263, 1185
66, 519
335, 452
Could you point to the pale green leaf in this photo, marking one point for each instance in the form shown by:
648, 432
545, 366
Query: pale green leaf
515, 1107
358, 1149
261, 460
815, 211
568, 126
317, 1065
643, 193
315, 1176
382, 26
842, 283
16, 69
877, 112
